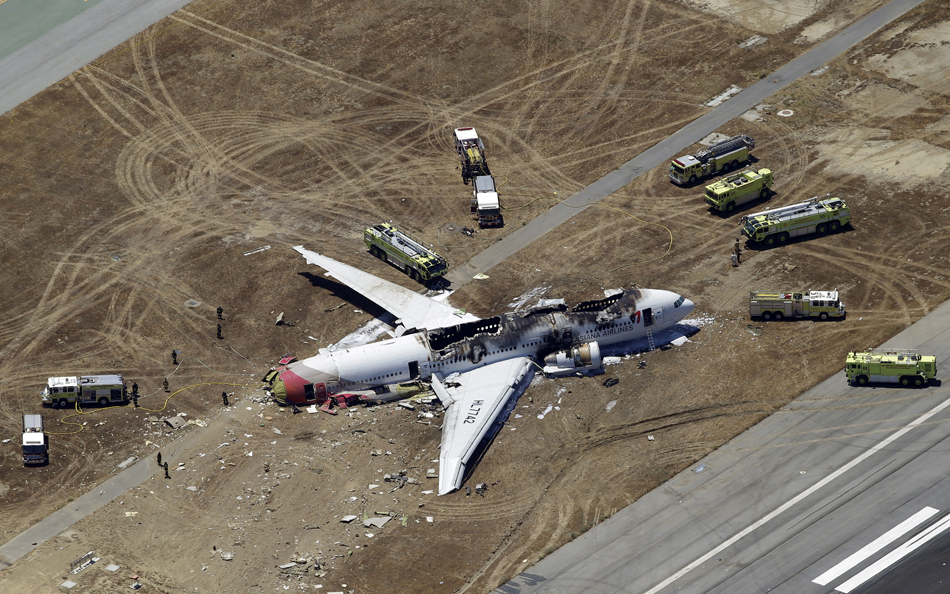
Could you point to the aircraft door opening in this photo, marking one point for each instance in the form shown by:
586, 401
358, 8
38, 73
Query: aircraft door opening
413, 370
648, 317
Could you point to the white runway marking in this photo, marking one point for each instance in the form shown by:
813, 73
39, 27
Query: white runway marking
896, 555
878, 544
798, 498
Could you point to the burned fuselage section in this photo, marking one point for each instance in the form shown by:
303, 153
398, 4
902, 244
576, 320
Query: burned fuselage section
537, 332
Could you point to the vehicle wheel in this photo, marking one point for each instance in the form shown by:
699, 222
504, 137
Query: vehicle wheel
822, 229
725, 167
734, 164
374, 251
413, 274
61, 404
778, 316
692, 179
103, 401
764, 193
783, 237
770, 241
383, 256
833, 226
730, 207
905, 381
918, 381
862, 380
823, 316
767, 316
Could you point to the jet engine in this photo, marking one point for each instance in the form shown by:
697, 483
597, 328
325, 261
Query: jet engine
582, 358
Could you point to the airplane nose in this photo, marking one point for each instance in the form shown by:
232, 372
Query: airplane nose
686, 309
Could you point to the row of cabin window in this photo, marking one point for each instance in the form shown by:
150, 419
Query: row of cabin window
371, 379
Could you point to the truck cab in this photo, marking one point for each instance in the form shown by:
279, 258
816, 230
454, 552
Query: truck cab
35, 446
485, 204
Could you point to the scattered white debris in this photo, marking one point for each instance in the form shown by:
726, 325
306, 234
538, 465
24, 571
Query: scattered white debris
407, 406
430, 519
785, 113
112, 567
277, 431
720, 99
365, 334
348, 519
546, 411
378, 522
820, 71
287, 566
700, 468
428, 492
312, 409
126, 462
650, 438
6, 441
680, 340
612, 360
480, 276
249, 454
257, 251
698, 322
227, 556
526, 297
611, 405
753, 41
192, 488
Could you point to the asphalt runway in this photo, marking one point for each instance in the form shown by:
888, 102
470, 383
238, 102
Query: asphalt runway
42, 43
826, 495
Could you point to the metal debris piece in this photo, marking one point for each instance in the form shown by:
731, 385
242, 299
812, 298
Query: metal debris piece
257, 251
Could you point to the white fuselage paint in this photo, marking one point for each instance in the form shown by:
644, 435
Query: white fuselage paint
411, 356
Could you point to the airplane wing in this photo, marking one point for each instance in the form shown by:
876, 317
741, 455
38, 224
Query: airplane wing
472, 407
413, 310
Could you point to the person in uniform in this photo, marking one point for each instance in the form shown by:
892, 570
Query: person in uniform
220, 311
224, 398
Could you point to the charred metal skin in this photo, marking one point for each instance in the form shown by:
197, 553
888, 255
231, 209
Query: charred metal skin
539, 333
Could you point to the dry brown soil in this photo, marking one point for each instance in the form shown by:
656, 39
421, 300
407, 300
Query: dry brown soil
136, 185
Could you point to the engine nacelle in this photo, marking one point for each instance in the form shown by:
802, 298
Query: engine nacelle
581, 358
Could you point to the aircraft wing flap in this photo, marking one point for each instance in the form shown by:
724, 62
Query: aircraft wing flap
415, 310
473, 406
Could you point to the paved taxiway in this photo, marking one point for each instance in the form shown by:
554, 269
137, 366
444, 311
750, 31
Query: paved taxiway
816, 498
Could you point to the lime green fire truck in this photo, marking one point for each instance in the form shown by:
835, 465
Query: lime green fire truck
720, 157
405, 252
807, 304
731, 191
906, 366
815, 215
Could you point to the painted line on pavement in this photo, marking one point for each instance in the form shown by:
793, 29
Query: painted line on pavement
797, 499
896, 555
878, 544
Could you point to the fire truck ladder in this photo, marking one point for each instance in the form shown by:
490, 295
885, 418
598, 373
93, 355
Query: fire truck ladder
724, 147
650, 339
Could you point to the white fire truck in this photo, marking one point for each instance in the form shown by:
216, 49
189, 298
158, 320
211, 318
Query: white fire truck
485, 203
807, 304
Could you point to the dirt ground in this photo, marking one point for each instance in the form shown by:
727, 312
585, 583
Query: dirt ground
133, 188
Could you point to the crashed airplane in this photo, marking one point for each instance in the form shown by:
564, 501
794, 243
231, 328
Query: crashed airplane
475, 366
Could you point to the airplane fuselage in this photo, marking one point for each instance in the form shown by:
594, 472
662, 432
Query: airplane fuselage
622, 317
